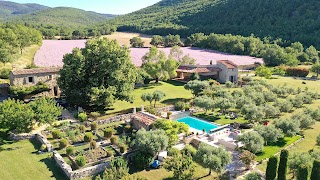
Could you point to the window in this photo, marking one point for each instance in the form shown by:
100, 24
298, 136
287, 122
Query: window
50, 77
30, 80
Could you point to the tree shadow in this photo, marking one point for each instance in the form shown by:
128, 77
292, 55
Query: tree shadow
175, 83
56, 171
174, 100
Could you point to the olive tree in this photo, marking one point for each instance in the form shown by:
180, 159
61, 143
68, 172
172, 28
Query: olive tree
269, 133
252, 141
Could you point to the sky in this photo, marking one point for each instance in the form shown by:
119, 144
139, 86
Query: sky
100, 6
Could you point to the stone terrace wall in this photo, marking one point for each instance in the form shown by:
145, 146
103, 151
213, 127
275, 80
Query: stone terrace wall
19, 137
44, 141
165, 109
123, 117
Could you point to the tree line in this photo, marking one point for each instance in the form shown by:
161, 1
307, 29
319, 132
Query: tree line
14, 38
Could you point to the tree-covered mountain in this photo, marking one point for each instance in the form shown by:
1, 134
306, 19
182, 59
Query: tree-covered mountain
61, 16
9, 9
294, 20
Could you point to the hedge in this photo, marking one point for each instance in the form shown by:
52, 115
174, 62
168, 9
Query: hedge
297, 72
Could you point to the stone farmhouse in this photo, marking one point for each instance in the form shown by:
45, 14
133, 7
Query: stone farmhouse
30, 77
223, 71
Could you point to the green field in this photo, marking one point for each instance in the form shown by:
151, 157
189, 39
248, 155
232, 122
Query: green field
19, 160
174, 92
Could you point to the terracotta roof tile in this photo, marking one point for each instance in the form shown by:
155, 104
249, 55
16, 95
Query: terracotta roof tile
145, 119
198, 69
36, 71
228, 63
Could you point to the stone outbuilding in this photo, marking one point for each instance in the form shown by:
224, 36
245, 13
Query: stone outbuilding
223, 71
30, 77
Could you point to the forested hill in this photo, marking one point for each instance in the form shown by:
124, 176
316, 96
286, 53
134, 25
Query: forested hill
9, 9
62, 16
295, 20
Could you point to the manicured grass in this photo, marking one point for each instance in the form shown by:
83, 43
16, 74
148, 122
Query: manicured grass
26, 58
19, 160
291, 82
162, 174
270, 150
174, 92
222, 120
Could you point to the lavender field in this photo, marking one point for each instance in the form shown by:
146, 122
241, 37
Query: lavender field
52, 51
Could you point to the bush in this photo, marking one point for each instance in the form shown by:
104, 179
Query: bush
107, 133
63, 143
93, 145
83, 128
82, 117
151, 110
110, 153
278, 71
123, 148
247, 78
43, 147
88, 137
253, 176
56, 134
173, 152
189, 150
229, 84
180, 106
194, 76
70, 151
141, 160
5, 73
297, 72
95, 115
114, 140
81, 161
318, 140
94, 126
127, 129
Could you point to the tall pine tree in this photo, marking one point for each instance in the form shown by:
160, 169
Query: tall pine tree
271, 172
282, 169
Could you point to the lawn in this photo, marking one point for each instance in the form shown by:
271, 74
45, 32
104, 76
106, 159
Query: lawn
19, 160
270, 150
174, 92
291, 82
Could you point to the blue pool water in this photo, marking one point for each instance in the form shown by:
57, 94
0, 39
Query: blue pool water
197, 123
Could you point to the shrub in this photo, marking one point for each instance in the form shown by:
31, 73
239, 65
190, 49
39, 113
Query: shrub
93, 145
303, 173
189, 150
81, 161
151, 110
94, 126
127, 128
70, 151
229, 84
88, 137
247, 78
110, 153
253, 176
43, 147
123, 148
63, 143
5, 73
194, 76
114, 140
318, 140
173, 152
278, 71
180, 106
315, 174
82, 117
297, 72
95, 115
107, 133
56, 134
83, 128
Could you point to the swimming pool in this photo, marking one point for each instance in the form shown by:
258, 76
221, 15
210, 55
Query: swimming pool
197, 123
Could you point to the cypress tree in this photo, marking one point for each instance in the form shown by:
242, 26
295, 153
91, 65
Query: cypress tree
271, 172
303, 173
282, 168
315, 174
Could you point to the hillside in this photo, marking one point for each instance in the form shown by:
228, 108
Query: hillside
9, 9
62, 16
294, 20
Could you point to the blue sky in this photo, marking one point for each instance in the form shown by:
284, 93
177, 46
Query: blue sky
101, 6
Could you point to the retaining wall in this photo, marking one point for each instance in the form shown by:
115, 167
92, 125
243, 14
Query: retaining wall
123, 117
44, 141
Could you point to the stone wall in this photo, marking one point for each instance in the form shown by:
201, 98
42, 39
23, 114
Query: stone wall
44, 141
165, 109
81, 173
123, 117
23, 136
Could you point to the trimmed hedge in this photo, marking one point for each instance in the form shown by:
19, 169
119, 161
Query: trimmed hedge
63, 143
297, 72
88, 137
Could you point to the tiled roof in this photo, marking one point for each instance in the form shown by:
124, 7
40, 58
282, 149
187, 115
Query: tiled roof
197, 69
36, 71
228, 63
145, 118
